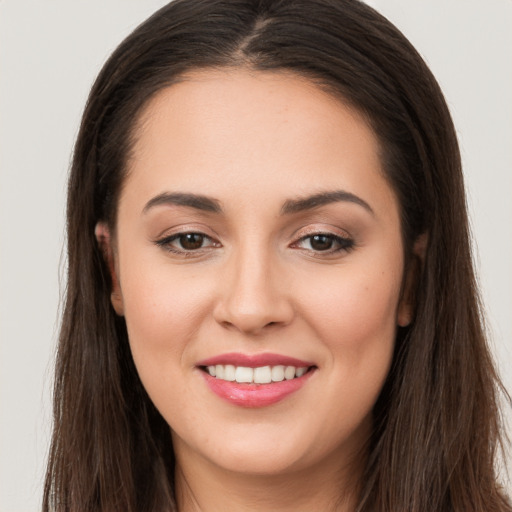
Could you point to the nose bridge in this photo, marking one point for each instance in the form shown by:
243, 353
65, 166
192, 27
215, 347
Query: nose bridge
253, 293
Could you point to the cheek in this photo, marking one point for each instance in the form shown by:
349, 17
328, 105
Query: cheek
354, 309
355, 318
356, 322
162, 312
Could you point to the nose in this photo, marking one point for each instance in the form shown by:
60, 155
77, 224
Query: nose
253, 294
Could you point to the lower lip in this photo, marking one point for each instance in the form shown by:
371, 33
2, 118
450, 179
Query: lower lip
255, 395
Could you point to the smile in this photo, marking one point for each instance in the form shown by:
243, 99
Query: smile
258, 375
255, 380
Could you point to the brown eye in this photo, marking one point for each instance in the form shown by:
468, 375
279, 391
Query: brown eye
321, 242
191, 241
325, 242
187, 243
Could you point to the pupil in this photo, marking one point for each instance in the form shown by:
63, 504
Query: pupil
191, 241
321, 242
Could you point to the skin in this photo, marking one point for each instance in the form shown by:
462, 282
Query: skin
253, 141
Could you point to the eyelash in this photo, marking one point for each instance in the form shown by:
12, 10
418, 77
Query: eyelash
166, 243
342, 243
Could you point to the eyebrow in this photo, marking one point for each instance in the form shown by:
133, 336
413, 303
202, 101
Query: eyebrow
199, 202
321, 199
290, 206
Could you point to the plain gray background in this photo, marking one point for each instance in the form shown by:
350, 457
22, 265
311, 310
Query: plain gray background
50, 52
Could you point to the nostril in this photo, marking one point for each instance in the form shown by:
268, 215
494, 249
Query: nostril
252, 314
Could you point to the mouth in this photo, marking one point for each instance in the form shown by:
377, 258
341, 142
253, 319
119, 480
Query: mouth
259, 375
256, 380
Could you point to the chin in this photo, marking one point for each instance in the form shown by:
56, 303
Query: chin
265, 458
266, 449
256, 449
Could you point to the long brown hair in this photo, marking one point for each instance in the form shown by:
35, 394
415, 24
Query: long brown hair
437, 423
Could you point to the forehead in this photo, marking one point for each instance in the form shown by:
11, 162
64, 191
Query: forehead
255, 134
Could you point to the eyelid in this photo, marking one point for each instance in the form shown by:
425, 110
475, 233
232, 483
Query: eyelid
321, 229
344, 240
176, 236
186, 228
168, 236
345, 243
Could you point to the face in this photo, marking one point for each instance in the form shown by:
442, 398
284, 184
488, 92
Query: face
258, 240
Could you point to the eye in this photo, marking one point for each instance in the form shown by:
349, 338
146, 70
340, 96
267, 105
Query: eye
325, 242
186, 242
191, 241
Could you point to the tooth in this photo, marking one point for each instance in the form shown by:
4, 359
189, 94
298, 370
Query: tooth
262, 375
277, 373
229, 372
243, 374
289, 372
300, 372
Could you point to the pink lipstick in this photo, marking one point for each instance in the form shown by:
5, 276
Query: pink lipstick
255, 380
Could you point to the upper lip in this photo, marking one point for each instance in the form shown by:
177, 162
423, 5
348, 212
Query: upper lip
254, 360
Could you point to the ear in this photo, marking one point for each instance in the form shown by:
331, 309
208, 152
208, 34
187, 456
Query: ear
104, 239
407, 305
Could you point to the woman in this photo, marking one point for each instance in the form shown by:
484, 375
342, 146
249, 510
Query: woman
271, 302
